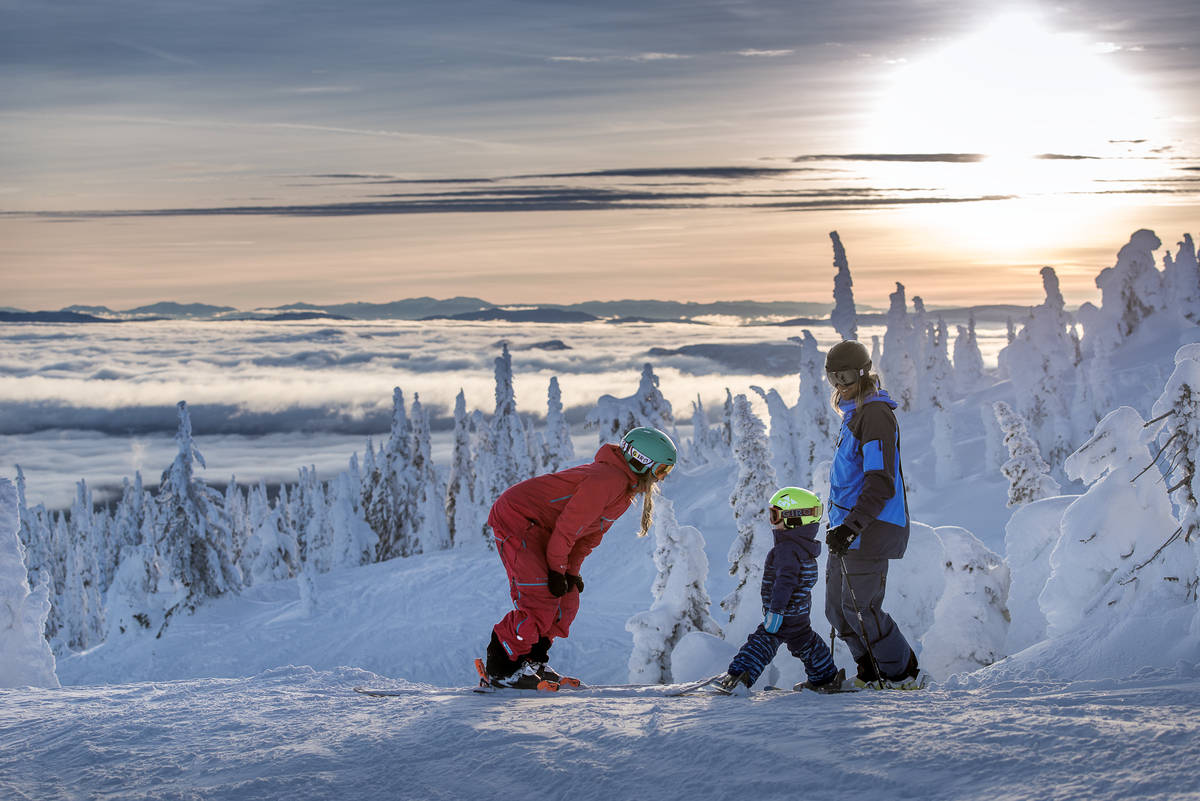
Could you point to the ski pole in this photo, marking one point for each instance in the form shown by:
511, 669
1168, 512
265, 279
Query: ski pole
862, 626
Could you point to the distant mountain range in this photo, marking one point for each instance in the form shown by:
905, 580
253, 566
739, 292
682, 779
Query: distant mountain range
425, 308
475, 309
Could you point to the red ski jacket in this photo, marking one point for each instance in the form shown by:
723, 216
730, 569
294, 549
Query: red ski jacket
570, 510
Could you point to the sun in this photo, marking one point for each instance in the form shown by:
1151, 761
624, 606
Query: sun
1012, 89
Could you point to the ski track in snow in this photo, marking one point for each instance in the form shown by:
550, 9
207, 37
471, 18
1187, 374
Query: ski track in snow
301, 734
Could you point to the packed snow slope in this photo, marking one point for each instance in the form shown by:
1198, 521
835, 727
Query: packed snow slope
297, 733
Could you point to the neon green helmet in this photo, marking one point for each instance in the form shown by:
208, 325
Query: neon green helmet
793, 507
648, 449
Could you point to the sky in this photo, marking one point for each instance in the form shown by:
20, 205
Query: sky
253, 155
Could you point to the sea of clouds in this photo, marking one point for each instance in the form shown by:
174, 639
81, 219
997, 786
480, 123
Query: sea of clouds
99, 401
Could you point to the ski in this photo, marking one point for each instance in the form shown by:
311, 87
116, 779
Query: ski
704, 684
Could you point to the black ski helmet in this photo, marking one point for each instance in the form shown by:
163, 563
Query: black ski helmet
848, 355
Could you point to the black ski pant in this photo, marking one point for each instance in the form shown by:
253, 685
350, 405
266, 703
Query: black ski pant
868, 577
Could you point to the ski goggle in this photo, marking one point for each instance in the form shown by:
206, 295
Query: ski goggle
658, 469
844, 378
779, 515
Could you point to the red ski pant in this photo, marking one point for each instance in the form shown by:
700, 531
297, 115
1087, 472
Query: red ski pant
536, 612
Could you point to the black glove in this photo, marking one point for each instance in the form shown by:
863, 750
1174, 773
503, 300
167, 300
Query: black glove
576, 580
840, 539
557, 582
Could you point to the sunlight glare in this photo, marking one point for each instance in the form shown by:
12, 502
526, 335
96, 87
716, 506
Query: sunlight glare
1012, 90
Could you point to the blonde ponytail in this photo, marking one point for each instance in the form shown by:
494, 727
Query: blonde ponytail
646, 486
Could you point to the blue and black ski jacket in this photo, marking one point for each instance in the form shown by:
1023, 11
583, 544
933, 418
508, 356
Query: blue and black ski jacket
866, 483
791, 571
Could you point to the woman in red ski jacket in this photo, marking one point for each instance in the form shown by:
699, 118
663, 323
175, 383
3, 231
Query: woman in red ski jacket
544, 528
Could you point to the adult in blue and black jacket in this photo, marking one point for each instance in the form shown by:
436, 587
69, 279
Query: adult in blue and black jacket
868, 518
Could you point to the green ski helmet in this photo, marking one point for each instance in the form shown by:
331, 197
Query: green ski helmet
794, 507
648, 449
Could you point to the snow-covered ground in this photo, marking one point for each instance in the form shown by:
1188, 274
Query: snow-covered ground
296, 733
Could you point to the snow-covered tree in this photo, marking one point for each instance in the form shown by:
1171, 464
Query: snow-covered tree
1116, 550
1028, 475
235, 509
756, 483
312, 521
388, 488
272, 552
897, 366
939, 381
970, 621
613, 416
514, 461
429, 508
1040, 362
702, 448
559, 450
843, 318
783, 440
968, 359
995, 454
1177, 411
681, 603
81, 598
814, 422
194, 539
462, 514
1131, 291
25, 656
1182, 277
353, 541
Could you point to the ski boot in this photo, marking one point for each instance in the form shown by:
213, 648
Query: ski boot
526, 678
550, 674
734, 683
833, 685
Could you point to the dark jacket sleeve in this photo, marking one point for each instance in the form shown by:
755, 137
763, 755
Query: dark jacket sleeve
877, 434
787, 577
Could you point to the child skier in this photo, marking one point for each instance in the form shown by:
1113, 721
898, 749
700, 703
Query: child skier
544, 528
788, 578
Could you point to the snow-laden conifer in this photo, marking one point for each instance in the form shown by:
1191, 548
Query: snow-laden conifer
843, 318
35, 532
83, 608
940, 380
429, 521
968, 359
782, 440
1040, 362
560, 451
970, 621
235, 510
1177, 413
509, 441
681, 602
388, 490
613, 416
1116, 551
1027, 473
813, 422
312, 521
756, 483
25, 656
272, 552
897, 366
352, 540
194, 539
461, 481
1182, 277
1131, 291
